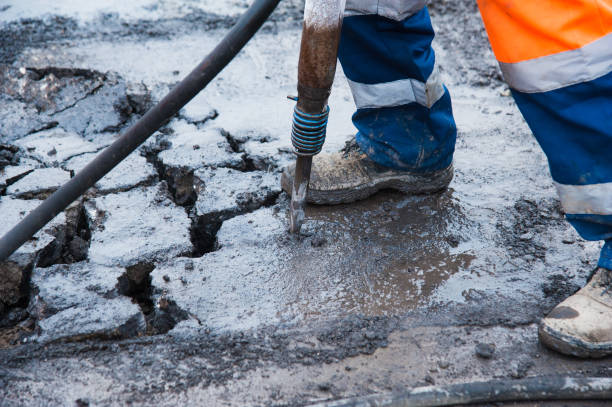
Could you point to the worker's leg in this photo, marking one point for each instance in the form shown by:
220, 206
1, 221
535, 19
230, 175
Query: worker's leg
556, 56
404, 115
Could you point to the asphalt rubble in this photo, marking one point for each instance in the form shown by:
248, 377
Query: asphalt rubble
174, 279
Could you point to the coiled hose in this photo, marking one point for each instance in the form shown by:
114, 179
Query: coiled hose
308, 133
246, 27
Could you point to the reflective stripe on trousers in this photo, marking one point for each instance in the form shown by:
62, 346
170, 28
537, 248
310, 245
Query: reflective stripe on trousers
393, 9
404, 115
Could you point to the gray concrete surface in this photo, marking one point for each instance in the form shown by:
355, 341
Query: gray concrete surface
174, 280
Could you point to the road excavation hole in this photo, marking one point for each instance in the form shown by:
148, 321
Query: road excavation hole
136, 284
14, 289
181, 185
249, 163
14, 300
72, 240
204, 228
235, 143
204, 235
180, 181
8, 155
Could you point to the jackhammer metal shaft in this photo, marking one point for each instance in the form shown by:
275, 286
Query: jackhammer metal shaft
317, 67
248, 24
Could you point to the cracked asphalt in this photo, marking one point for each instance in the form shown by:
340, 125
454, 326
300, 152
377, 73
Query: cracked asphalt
174, 280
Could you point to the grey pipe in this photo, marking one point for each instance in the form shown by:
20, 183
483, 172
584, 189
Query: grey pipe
541, 388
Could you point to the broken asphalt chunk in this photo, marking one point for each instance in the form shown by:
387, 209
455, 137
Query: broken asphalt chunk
53, 147
228, 191
39, 183
131, 172
141, 225
212, 149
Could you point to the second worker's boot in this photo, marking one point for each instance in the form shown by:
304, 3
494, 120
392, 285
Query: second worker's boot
349, 175
582, 324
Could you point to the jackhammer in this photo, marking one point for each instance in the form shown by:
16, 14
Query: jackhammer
317, 67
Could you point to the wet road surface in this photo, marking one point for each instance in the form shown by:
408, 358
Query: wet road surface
174, 280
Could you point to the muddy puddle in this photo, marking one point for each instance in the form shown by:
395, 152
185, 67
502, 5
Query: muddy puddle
392, 252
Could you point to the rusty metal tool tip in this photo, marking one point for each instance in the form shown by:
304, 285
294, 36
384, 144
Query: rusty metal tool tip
296, 213
299, 191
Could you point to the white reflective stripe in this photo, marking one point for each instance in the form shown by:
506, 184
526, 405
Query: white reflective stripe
393, 9
397, 93
594, 199
560, 70
360, 7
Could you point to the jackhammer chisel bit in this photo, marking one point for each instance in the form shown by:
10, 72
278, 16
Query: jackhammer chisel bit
317, 67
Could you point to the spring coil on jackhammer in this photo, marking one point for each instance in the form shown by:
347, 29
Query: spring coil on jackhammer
308, 133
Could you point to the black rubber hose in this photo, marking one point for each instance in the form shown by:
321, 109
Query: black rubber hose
542, 388
246, 27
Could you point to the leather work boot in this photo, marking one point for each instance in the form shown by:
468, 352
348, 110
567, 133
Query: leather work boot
582, 324
349, 176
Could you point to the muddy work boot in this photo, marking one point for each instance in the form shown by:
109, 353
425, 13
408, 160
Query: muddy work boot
582, 324
349, 176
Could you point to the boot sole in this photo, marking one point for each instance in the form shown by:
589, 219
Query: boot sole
414, 184
569, 345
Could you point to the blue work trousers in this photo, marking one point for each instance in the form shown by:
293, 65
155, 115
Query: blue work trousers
404, 117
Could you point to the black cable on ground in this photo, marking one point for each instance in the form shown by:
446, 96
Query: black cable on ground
246, 27
543, 388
